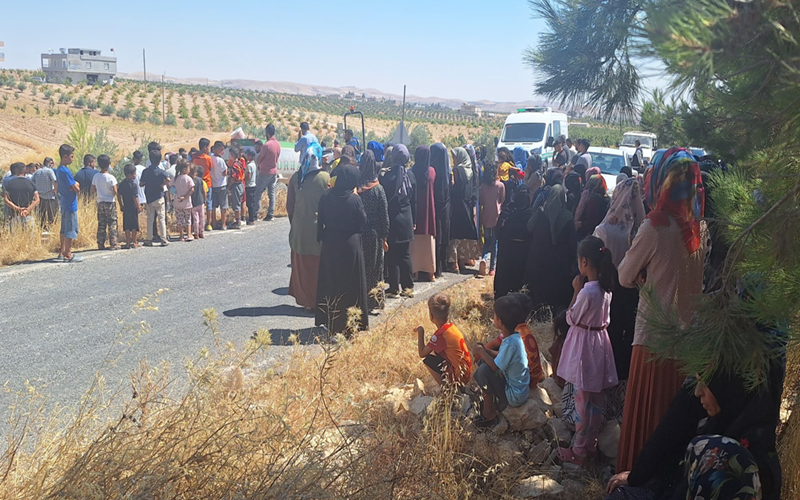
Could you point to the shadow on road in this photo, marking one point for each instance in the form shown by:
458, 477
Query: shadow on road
281, 310
281, 291
306, 336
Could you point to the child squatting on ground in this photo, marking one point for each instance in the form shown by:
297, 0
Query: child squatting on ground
503, 376
446, 354
587, 359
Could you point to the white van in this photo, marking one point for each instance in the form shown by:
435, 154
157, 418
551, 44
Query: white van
534, 129
649, 143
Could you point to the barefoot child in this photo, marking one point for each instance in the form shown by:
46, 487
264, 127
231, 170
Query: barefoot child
128, 197
446, 355
503, 376
184, 187
587, 359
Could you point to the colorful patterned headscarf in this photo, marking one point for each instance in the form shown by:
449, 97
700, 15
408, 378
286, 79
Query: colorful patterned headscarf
675, 189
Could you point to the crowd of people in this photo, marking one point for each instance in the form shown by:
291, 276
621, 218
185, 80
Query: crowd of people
560, 248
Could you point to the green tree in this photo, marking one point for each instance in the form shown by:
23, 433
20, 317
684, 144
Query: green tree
738, 64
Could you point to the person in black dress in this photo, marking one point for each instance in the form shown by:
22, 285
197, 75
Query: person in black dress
376, 229
440, 161
513, 244
400, 187
342, 278
552, 255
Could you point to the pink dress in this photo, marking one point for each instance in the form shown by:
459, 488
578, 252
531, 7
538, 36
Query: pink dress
587, 359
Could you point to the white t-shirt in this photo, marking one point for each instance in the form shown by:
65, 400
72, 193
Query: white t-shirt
104, 184
142, 197
218, 171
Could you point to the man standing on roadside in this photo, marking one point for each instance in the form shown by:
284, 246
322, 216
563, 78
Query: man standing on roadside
583, 157
85, 175
45, 181
68, 189
20, 197
560, 154
153, 181
203, 159
637, 160
267, 162
352, 140
304, 139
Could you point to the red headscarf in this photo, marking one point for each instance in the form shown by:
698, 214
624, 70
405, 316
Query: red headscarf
675, 189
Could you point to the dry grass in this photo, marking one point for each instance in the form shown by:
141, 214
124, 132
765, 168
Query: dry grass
322, 429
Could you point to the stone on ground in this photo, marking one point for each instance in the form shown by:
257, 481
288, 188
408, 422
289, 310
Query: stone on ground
419, 405
554, 391
539, 453
608, 439
559, 431
537, 487
530, 415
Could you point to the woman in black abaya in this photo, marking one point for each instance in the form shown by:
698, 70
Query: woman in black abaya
342, 278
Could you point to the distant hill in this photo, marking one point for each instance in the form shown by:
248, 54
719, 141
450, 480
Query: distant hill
313, 90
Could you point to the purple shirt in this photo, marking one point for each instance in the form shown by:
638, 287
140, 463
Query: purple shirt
491, 199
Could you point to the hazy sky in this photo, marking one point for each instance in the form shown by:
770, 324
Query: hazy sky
464, 49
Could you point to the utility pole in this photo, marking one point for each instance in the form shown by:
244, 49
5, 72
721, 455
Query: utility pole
403, 117
144, 65
163, 104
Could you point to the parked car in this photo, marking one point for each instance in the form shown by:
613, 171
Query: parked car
610, 161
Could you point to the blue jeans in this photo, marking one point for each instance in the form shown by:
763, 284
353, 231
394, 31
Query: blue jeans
490, 246
266, 182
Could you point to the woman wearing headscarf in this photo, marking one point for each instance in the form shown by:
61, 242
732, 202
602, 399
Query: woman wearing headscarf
553, 177
423, 248
376, 229
552, 254
667, 256
587, 174
513, 244
464, 245
400, 187
342, 281
377, 150
348, 157
305, 189
573, 183
440, 161
716, 443
596, 207
533, 173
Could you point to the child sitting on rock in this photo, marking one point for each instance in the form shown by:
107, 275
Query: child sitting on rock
504, 377
446, 355
531, 350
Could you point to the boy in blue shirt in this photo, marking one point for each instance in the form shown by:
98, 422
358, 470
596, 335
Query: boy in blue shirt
68, 188
503, 375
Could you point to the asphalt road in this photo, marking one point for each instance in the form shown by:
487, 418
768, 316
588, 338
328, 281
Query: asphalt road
59, 323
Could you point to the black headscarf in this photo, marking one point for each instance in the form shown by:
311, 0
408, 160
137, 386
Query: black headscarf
368, 167
347, 178
553, 176
348, 157
422, 162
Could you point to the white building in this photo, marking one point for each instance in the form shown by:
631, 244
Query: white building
471, 110
79, 65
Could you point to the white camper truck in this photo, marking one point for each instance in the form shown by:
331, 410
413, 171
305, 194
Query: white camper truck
535, 130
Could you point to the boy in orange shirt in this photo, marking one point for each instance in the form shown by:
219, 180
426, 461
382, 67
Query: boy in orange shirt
531, 349
446, 355
203, 159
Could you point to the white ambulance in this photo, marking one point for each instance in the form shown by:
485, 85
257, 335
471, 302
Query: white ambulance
535, 130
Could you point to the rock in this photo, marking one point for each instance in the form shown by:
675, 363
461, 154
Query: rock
608, 439
538, 454
541, 398
553, 390
420, 404
547, 368
352, 429
492, 449
399, 397
537, 486
501, 427
530, 415
464, 403
559, 431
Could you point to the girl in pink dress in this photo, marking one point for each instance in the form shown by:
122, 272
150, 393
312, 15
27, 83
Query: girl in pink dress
587, 359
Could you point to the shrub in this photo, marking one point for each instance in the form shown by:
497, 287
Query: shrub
201, 125
107, 110
140, 115
170, 120
123, 113
92, 104
48, 93
79, 102
154, 119
22, 86
187, 124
